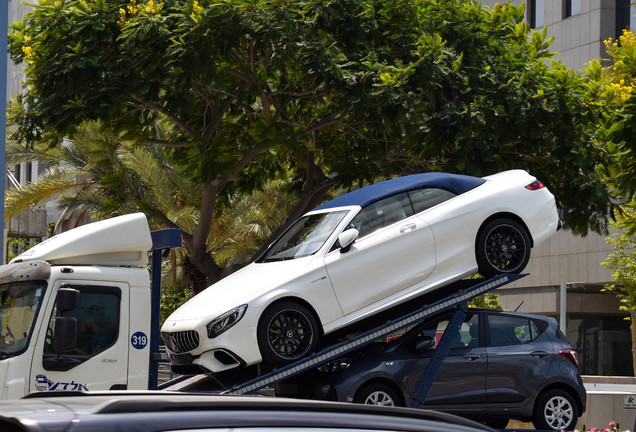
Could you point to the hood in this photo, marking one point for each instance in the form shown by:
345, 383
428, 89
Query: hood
243, 286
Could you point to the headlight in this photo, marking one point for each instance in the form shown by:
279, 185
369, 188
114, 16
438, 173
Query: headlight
335, 366
225, 321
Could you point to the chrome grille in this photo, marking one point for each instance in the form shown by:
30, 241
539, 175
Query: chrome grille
181, 342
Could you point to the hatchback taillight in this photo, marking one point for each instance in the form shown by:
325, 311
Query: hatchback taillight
571, 355
535, 185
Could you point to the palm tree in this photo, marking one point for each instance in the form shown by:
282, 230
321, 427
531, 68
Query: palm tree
100, 174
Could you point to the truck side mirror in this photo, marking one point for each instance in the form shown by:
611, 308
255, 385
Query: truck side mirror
65, 335
67, 299
346, 239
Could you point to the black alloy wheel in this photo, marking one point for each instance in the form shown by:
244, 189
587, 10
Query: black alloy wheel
503, 246
287, 332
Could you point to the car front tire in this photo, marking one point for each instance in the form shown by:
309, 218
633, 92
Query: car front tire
503, 246
555, 410
287, 332
377, 394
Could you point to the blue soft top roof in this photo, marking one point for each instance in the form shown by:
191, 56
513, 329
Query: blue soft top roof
455, 183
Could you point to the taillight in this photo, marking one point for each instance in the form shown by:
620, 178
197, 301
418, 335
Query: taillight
535, 185
571, 355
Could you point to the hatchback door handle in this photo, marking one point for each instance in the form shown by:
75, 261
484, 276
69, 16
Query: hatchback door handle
471, 356
408, 227
539, 354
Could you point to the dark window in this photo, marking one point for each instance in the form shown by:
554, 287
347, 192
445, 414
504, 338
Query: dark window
468, 336
510, 330
423, 199
571, 7
381, 214
97, 315
625, 17
536, 11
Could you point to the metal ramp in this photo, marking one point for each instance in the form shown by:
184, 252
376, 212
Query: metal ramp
458, 299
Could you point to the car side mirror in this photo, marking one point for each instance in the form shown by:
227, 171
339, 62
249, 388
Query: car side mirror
346, 239
424, 342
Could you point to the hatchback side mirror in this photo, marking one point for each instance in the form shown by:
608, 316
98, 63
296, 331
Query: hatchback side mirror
346, 239
424, 342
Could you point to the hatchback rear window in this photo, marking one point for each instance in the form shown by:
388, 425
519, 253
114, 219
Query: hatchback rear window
511, 330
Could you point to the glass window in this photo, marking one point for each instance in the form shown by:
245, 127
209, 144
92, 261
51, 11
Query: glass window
381, 214
510, 330
19, 305
97, 315
571, 7
426, 198
536, 11
304, 237
468, 336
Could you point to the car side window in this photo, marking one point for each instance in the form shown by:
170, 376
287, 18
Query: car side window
509, 330
382, 213
468, 336
426, 198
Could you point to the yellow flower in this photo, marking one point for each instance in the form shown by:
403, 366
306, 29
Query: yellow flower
28, 51
27, 38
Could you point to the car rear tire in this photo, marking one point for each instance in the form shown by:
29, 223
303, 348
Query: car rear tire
503, 246
287, 332
555, 410
377, 394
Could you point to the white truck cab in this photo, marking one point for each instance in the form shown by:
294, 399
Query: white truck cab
76, 311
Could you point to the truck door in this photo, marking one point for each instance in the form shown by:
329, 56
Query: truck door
99, 360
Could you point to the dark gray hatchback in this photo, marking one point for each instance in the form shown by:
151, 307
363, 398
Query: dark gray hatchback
501, 366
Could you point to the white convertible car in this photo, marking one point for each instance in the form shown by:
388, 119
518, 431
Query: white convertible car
357, 255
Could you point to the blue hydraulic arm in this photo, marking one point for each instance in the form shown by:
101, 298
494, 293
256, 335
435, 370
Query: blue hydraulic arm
451, 331
161, 240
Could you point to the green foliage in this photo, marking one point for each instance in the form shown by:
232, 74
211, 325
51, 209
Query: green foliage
329, 93
623, 259
486, 301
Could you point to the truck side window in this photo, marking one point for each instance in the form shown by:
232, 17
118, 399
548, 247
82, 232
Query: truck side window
97, 315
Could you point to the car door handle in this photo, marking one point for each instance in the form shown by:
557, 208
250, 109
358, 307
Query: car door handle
539, 354
408, 227
471, 356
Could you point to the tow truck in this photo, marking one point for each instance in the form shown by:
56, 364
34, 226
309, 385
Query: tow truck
80, 312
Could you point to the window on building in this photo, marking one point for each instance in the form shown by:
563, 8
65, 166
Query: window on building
571, 7
625, 17
536, 12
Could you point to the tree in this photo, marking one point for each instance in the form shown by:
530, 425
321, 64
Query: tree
96, 172
623, 262
615, 87
337, 93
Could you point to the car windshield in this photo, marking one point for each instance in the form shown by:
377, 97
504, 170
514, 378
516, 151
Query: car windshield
305, 236
19, 303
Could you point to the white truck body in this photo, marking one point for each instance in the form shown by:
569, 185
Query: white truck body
102, 261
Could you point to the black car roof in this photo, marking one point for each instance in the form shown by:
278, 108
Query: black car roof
456, 183
154, 411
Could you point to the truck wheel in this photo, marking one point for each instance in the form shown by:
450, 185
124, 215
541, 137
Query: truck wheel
555, 410
377, 394
503, 246
286, 332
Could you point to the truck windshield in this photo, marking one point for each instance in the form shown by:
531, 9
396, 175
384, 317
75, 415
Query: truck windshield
19, 305
305, 236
